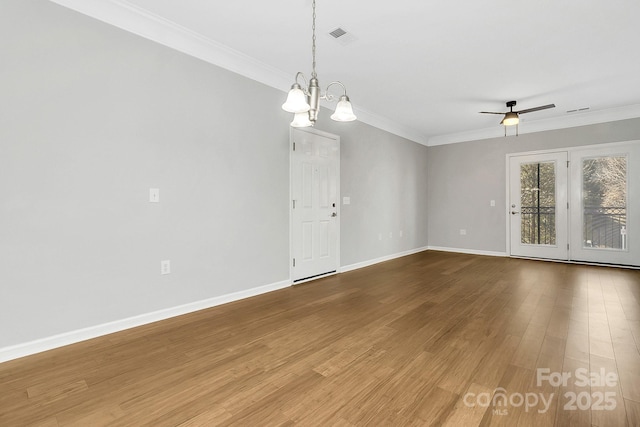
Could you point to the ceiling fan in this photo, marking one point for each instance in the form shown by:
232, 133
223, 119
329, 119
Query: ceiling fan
512, 117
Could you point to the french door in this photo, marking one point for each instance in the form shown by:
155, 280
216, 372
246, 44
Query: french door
538, 205
605, 200
315, 167
580, 205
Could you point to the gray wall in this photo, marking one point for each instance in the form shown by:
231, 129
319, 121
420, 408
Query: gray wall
385, 177
463, 178
92, 117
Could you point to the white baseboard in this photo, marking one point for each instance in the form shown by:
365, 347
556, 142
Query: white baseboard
467, 251
72, 337
363, 264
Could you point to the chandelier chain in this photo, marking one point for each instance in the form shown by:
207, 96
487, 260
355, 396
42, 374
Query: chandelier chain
313, 41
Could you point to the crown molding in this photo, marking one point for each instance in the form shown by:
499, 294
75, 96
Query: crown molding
141, 22
568, 121
390, 126
124, 15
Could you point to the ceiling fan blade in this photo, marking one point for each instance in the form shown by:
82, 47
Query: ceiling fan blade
489, 112
529, 110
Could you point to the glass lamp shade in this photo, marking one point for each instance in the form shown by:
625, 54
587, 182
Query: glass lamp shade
296, 100
344, 112
510, 119
301, 120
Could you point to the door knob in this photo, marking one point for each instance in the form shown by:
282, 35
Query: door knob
514, 212
334, 214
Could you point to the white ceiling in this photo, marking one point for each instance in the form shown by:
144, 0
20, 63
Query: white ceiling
422, 68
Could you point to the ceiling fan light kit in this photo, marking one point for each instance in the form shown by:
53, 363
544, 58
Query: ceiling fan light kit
512, 118
304, 102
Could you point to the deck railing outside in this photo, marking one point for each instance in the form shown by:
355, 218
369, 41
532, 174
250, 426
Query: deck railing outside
603, 227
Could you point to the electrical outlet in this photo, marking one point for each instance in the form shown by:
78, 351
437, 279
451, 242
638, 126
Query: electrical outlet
165, 266
463, 232
391, 234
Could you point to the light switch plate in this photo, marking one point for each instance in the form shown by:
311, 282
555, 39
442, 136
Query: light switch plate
346, 200
154, 195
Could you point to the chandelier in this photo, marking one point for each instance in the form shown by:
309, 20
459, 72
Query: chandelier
305, 102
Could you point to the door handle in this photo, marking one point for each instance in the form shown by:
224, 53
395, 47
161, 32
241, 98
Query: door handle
333, 214
514, 212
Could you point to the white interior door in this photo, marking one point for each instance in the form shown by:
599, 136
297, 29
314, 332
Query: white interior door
314, 217
605, 201
538, 205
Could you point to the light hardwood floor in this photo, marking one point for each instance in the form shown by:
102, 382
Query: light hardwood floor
421, 340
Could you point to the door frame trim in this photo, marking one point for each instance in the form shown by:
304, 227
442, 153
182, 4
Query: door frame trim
313, 131
569, 151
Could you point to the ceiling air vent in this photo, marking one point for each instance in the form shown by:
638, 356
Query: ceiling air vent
342, 36
338, 32
575, 110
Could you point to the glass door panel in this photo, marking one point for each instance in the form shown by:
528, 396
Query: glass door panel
604, 203
538, 203
538, 213
606, 196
